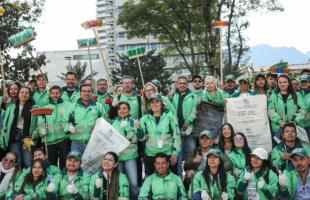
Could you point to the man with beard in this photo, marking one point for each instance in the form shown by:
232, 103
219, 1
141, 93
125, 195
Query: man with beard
271, 82
198, 85
71, 92
72, 183
230, 85
102, 95
295, 184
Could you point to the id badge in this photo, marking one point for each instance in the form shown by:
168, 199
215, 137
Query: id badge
160, 144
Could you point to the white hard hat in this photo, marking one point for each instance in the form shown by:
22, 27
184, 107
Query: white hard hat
261, 153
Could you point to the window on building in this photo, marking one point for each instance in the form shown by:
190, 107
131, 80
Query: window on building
121, 35
86, 57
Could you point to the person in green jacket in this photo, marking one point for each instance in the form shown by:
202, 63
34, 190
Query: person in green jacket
109, 183
163, 184
41, 95
258, 181
84, 116
271, 82
230, 85
71, 92
244, 89
304, 93
72, 182
33, 186
295, 184
18, 127
162, 134
240, 154
198, 86
213, 182
212, 94
102, 95
128, 158
11, 96
54, 128
284, 105
225, 136
260, 84
51, 170
9, 172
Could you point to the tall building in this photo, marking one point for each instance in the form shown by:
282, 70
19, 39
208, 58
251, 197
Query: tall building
113, 37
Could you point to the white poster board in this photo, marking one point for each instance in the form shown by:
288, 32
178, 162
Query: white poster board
104, 138
249, 116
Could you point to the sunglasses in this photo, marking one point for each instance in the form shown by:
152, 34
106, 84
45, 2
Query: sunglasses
197, 81
7, 160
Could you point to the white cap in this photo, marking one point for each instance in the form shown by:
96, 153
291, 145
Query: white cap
261, 153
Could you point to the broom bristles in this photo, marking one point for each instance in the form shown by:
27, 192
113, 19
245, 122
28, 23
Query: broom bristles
22, 38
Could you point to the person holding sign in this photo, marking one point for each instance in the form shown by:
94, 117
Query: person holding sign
284, 105
162, 134
295, 184
128, 158
230, 85
260, 84
281, 154
212, 94
214, 183
109, 183
258, 181
244, 89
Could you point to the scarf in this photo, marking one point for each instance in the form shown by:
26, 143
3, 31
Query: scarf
7, 178
112, 187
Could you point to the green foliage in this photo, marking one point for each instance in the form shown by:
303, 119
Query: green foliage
152, 67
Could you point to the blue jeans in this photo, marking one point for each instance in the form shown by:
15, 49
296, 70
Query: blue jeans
188, 145
24, 157
78, 146
129, 167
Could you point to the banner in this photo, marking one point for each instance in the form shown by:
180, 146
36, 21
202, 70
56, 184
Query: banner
209, 117
104, 138
249, 116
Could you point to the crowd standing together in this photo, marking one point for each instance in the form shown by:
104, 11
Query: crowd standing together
166, 159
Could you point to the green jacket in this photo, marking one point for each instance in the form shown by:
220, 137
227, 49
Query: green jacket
189, 106
290, 189
229, 93
84, 119
106, 107
7, 123
12, 183
41, 98
237, 93
57, 123
305, 96
269, 190
126, 127
30, 192
238, 160
280, 111
162, 137
215, 191
156, 187
218, 98
168, 105
61, 181
199, 93
123, 186
279, 150
74, 96
135, 104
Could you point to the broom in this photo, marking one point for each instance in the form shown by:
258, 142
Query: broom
23, 38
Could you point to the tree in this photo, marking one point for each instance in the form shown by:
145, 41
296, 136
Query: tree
185, 26
18, 15
152, 67
80, 70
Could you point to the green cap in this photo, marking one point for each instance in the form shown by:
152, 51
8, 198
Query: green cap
244, 79
304, 78
156, 96
299, 151
75, 154
206, 133
229, 78
215, 152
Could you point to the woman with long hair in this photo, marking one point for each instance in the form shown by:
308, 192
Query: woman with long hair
12, 95
212, 93
258, 181
260, 84
285, 105
240, 154
9, 171
226, 142
33, 185
109, 183
18, 126
214, 182
128, 158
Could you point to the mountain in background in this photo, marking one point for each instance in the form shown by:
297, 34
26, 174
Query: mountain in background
266, 55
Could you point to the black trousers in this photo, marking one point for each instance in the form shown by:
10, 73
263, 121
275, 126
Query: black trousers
59, 152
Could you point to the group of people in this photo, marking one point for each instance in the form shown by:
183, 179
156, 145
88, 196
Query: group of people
166, 158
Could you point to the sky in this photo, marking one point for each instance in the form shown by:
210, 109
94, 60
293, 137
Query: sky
59, 26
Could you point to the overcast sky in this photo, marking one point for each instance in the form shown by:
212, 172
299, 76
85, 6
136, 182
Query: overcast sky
60, 25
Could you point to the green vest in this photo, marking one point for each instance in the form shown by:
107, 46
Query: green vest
74, 96
41, 98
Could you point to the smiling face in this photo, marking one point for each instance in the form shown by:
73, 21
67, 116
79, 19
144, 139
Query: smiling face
128, 85
156, 105
71, 81
230, 85
13, 90
244, 86
37, 170
9, 161
108, 163
161, 166
197, 83
226, 131
149, 90
24, 94
55, 94
73, 164
256, 162
283, 84
41, 82
210, 85
102, 86
86, 93
123, 111
289, 134
213, 161
239, 141
182, 85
